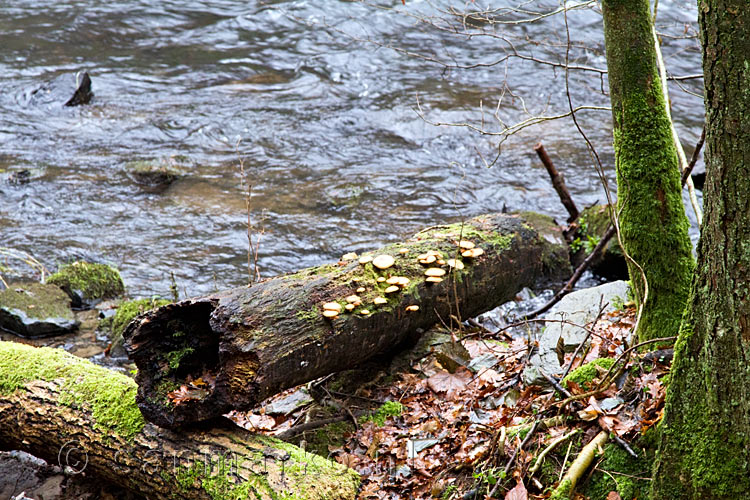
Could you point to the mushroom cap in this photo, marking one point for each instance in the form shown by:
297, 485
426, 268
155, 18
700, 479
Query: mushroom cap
381, 279
379, 301
398, 280
349, 307
433, 279
412, 308
330, 314
383, 261
428, 259
392, 289
403, 250
332, 306
349, 256
434, 272
364, 312
353, 298
466, 245
361, 289
365, 259
455, 263
474, 252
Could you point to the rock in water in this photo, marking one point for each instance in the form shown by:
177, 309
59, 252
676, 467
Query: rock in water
83, 93
36, 310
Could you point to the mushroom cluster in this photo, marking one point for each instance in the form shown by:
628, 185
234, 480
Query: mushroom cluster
433, 261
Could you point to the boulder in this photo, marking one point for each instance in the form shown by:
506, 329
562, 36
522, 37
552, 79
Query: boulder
36, 310
88, 283
579, 307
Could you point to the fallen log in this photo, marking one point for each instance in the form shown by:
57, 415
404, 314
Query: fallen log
248, 343
84, 417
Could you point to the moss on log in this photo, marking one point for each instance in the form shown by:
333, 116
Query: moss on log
251, 342
70, 411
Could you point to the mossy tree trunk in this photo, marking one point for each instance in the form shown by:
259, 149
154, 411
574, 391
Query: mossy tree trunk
653, 224
705, 434
259, 340
69, 411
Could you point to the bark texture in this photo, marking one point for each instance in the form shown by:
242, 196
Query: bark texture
69, 411
705, 435
653, 224
256, 341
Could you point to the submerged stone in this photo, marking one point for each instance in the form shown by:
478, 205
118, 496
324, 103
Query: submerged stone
87, 283
36, 310
153, 176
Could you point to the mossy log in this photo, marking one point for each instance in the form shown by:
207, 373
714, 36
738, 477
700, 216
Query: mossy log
248, 343
83, 416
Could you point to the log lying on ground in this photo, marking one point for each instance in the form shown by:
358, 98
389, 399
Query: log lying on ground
248, 343
69, 411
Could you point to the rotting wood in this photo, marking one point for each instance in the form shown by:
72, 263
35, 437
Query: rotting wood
248, 343
69, 411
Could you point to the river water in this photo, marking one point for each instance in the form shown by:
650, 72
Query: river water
318, 99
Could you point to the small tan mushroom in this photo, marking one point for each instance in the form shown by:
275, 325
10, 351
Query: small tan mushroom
435, 253
383, 261
365, 259
440, 262
332, 306
398, 280
434, 272
433, 279
361, 289
364, 312
403, 251
381, 279
412, 308
349, 307
474, 252
455, 263
428, 259
356, 279
330, 314
349, 256
466, 245
392, 289
379, 301
353, 298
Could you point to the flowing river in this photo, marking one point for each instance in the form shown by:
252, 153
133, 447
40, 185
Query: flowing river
317, 102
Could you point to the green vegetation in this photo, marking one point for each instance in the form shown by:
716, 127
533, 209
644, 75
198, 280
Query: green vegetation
126, 312
92, 282
583, 375
388, 409
37, 300
109, 397
618, 471
175, 357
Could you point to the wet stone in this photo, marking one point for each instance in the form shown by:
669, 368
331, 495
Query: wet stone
36, 310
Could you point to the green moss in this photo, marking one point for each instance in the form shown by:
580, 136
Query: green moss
175, 357
469, 232
108, 397
91, 281
37, 300
126, 312
330, 435
618, 471
583, 375
563, 491
388, 409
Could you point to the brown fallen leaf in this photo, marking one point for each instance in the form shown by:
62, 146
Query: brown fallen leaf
450, 383
517, 493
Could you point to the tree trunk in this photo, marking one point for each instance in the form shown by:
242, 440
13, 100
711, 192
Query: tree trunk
69, 411
247, 344
705, 435
653, 224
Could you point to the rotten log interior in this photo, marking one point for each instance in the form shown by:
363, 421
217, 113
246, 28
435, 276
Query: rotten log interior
248, 343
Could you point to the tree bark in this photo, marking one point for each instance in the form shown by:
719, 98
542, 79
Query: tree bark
705, 435
252, 342
69, 411
653, 224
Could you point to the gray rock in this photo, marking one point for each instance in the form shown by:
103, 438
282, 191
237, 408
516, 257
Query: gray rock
579, 307
36, 310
